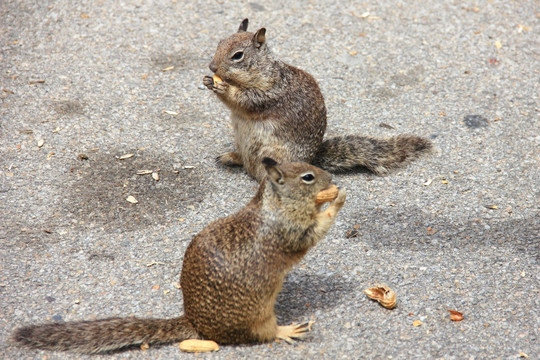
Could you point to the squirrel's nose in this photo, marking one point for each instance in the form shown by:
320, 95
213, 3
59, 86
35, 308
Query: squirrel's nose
213, 66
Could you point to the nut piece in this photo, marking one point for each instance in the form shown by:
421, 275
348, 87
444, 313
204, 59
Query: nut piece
217, 78
455, 315
383, 294
196, 345
328, 194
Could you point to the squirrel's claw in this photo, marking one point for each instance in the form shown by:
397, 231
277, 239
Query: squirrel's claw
220, 87
304, 327
294, 331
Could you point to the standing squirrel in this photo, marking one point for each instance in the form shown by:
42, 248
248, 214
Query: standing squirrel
278, 111
232, 272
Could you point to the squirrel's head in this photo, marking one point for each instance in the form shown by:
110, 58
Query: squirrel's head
296, 183
243, 58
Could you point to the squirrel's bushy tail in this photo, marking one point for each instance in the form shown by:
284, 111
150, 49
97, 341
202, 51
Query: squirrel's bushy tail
91, 337
377, 155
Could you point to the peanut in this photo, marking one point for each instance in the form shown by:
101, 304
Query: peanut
196, 345
328, 194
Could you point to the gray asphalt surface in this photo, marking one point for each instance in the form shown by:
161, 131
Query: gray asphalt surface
85, 82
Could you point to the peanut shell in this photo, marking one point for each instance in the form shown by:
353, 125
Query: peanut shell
327, 195
196, 345
383, 294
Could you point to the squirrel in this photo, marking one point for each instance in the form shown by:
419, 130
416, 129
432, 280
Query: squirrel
231, 275
278, 111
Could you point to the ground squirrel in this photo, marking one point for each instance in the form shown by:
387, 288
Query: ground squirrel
278, 111
232, 273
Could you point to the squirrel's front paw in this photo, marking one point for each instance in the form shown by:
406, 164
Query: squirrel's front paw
334, 207
219, 87
338, 202
208, 82
340, 199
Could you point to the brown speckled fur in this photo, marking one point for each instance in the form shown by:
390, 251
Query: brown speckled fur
278, 111
99, 336
231, 274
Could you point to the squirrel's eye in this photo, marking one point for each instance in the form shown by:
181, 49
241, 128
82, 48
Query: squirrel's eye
239, 55
308, 178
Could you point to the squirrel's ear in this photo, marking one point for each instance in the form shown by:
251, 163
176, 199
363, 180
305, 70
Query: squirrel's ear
269, 162
243, 25
273, 171
259, 39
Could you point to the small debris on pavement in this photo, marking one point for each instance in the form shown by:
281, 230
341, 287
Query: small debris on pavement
455, 315
131, 199
386, 126
144, 172
170, 112
125, 156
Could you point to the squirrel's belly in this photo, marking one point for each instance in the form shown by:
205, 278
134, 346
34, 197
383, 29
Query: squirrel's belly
253, 136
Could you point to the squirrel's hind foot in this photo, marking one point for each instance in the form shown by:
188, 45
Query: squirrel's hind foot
293, 332
230, 159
